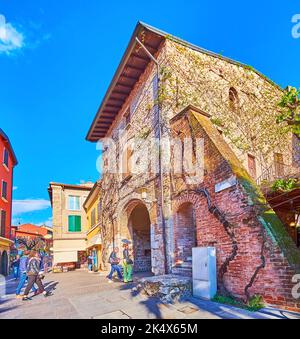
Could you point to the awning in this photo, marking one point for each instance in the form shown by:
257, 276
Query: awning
95, 240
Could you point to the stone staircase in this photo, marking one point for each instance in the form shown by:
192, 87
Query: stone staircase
184, 269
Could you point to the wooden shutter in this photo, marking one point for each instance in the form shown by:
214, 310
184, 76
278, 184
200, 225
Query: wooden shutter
2, 223
74, 223
5, 157
77, 223
4, 189
93, 217
71, 226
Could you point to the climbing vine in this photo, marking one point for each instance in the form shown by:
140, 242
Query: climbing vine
290, 113
249, 126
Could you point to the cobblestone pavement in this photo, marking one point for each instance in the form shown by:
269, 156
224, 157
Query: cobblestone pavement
80, 294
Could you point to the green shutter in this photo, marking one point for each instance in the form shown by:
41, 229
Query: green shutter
74, 223
77, 223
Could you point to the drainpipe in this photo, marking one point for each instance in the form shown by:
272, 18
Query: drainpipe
159, 157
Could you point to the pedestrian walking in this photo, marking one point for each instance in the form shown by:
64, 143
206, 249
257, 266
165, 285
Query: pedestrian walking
23, 275
33, 273
15, 267
127, 263
46, 261
114, 261
90, 261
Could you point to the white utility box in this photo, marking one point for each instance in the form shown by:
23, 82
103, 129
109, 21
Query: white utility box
204, 272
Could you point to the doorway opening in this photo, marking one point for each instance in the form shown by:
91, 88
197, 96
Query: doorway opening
4, 263
185, 234
139, 225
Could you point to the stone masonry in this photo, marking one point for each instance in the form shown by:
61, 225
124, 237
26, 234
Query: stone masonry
255, 255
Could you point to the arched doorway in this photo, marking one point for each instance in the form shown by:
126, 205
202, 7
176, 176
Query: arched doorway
185, 234
139, 226
4, 263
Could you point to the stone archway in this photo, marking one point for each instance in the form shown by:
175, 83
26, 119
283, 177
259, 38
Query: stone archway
185, 234
139, 229
4, 263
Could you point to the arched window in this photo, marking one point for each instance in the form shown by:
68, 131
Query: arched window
233, 99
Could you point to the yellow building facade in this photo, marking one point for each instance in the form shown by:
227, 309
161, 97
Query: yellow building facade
91, 206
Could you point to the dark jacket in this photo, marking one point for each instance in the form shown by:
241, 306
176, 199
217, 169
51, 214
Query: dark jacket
126, 256
33, 267
113, 259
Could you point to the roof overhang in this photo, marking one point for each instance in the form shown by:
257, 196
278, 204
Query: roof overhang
81, 187
132, 66
93, 195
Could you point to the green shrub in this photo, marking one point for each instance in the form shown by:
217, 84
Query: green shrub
284, 184
255, 303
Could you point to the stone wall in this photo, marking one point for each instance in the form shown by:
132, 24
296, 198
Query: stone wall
193, 77
248, 124
250, 259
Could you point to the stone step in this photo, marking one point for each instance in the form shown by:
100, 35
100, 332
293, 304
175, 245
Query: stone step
185, 271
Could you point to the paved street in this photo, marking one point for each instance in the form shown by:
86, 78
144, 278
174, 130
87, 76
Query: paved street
79, 294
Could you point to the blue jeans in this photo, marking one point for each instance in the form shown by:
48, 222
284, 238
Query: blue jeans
115, 268
16, 272
23, 279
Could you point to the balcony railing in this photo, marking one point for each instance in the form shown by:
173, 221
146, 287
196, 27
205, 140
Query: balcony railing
277, 171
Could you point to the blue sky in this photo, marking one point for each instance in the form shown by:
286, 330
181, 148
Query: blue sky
58, 57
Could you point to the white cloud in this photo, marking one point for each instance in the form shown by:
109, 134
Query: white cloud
29, 205
15, 188
10, 38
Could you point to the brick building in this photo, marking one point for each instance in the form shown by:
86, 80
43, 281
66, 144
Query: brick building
8, 162
169, 91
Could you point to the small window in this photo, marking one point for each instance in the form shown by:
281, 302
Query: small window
5, 157
2, 223
74, 223
74, 203
279, 166
233, 99
93, 217
4, 190
126, 162
252, 166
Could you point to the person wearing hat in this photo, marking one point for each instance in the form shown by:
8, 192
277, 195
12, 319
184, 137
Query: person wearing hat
23, 275
127, 263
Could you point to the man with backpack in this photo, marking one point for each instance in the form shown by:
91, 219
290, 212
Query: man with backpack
114, 261
33, 273
23, 274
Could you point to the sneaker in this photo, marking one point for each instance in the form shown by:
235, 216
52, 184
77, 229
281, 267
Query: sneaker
47, 294
26, 298
109, 281
19, 296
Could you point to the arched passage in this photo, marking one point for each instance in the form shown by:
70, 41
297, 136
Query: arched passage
139, 226
4, 263
185, 235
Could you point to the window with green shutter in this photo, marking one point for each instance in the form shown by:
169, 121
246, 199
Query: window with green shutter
74, 223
